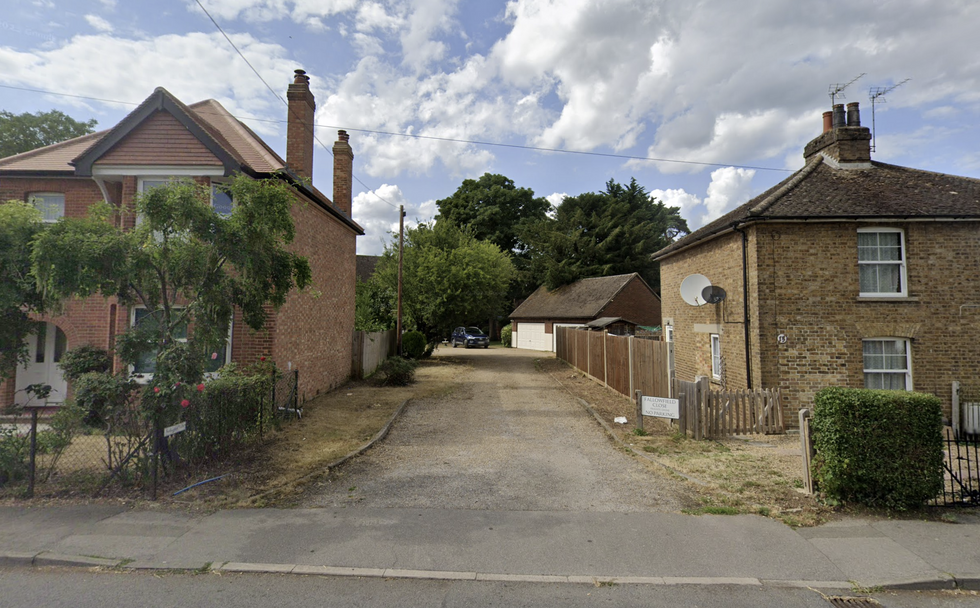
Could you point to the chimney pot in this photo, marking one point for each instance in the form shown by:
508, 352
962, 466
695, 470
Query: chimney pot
840, 119
828, 121
853, 114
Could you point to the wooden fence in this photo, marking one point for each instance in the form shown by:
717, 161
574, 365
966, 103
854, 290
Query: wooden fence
709, 414
369, 350
623, 363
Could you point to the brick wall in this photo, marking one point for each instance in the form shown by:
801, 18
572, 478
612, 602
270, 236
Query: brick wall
803, 281
636, 303
314, 329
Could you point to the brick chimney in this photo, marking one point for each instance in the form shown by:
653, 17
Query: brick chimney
343, 172
299, 130
844, 140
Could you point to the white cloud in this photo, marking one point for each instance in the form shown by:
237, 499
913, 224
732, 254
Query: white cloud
377, 212
259, 11
729, 188
556, 198
110, 67
98, 23
677, 198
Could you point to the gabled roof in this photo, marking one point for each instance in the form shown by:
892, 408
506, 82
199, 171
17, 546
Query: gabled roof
583, 299
823, 191
162, 100
231, 143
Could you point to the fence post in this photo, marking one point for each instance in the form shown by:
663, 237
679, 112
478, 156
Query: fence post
807, 448
156, 455
700, 407
639, 410
33, 462
605, 359
629, 349
955, 412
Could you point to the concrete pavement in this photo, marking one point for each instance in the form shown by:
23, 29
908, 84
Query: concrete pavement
532, 546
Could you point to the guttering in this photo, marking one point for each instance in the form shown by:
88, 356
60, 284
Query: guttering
300, 185
745, 303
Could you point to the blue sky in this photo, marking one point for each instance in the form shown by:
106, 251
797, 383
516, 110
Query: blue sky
733, 89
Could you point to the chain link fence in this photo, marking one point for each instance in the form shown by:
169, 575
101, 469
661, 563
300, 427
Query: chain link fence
70, 452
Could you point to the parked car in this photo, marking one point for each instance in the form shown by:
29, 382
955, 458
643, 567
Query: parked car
470, 336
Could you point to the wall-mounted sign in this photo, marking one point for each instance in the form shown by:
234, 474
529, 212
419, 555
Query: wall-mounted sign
661, 407
173, 430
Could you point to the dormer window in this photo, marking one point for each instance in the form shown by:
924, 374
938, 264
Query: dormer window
50, 204
881, 262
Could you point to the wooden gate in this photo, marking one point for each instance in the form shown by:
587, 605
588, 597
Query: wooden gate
709, 414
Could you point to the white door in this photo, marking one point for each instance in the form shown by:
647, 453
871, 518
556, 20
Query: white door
531, 336
44, 353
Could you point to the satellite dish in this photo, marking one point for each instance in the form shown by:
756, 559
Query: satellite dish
692, 287
712, 294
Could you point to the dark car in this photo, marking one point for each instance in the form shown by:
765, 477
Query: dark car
470, 336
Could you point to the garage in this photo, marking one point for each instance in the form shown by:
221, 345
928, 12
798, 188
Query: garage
532, 336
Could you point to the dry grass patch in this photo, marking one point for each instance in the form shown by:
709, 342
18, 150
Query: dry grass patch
752, 474
333, 425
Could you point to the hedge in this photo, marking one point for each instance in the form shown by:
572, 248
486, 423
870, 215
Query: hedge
878, 448
506, 333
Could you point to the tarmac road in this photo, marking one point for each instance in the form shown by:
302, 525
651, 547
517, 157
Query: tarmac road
508, 438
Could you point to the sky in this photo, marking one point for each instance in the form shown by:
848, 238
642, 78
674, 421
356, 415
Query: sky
706, 103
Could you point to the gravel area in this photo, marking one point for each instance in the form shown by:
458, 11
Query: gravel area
509, 437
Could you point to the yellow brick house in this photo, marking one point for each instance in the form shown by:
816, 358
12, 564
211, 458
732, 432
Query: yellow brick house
851, 272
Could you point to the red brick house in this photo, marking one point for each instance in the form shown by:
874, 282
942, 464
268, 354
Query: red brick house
621, 301
850, 272
164, 139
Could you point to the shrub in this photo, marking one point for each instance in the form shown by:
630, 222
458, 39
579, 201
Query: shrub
396, 371
429, 349
505, 334
878, 448
85, 359
413, 344
14, 451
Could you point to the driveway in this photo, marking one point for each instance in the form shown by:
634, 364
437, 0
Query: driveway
509, 437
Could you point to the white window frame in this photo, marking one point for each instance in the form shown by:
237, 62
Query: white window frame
907, 372
141, 188
716, 356
40, 197
144, 378
903, 275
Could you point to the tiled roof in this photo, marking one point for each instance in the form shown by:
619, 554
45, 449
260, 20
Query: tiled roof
584, 298
230, 134
55, 157
366, 265
821, 191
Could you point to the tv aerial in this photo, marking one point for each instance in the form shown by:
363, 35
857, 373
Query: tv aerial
837, 90
877, 95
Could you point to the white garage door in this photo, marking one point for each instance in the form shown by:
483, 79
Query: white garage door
531, 336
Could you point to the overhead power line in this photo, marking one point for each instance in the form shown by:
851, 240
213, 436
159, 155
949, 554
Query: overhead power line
446, 139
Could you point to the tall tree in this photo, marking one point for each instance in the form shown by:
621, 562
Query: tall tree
23, 132
450, 278
494, 210
605, 233
19, 296
186, 264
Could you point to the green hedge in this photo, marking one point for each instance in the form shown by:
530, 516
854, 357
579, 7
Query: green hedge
505, 334
878, 448
413, 344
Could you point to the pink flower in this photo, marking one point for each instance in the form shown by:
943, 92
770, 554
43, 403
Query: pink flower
261, 358
176, 385
185, 403
214, 356
200, 387
156, 389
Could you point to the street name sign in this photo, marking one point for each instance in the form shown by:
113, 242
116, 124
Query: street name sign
661, 407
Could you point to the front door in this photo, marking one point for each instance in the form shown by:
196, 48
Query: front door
44, 353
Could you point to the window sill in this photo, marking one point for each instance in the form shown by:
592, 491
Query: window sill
887, 298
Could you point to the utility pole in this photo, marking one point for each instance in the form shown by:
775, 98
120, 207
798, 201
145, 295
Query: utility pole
401, 249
